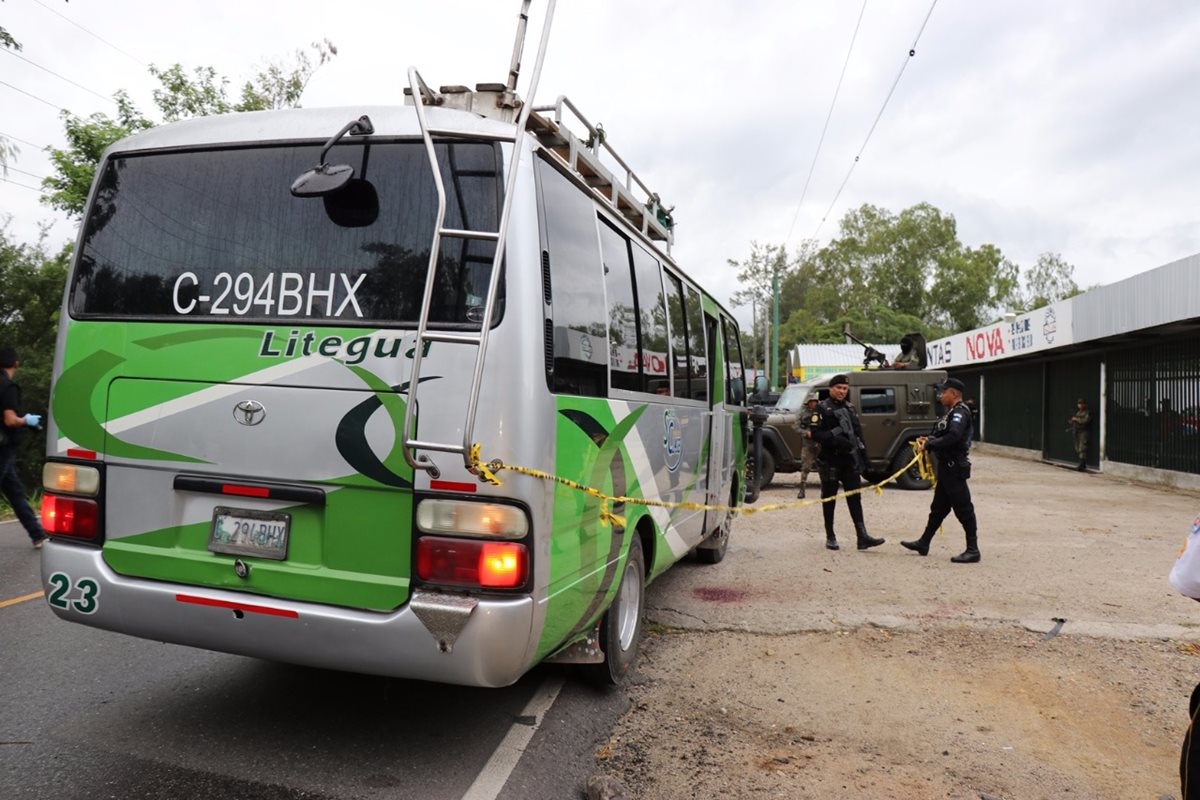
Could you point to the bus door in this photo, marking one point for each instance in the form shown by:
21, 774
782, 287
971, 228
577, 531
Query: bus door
720, 451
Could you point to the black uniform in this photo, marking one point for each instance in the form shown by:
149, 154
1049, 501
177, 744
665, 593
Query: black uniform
835, 427
10, 482
950, 442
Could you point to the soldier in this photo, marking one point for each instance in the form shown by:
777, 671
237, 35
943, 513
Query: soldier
1080, 423
841, 459
809, 449
907, 358
950, 441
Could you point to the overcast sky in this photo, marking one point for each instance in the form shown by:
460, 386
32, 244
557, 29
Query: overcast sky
1069, 126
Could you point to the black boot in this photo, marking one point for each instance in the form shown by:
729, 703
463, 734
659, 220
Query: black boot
920, 546
865, 540
800, 494
831, 542
1082, 466
971, 554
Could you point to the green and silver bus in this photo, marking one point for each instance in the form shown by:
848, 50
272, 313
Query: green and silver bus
270, 377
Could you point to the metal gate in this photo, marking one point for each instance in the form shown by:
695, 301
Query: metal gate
1067, 381
1012, 410
1153, 411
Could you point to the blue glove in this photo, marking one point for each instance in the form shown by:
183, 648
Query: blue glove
33, 420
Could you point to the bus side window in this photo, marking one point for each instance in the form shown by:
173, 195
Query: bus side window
697, 359
579, 346
735, 381
679, 361
624, 353
652, 322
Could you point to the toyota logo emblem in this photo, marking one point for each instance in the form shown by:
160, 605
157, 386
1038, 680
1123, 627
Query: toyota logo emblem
249, 412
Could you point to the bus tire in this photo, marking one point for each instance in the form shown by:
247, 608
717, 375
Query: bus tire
621, 626
911, 477
713, 549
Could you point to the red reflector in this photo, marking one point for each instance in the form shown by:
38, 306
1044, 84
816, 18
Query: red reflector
472, 562
78, 452
247, 491
70, 516
452, 486
208, 601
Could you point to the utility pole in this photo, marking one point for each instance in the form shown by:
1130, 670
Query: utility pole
775, 326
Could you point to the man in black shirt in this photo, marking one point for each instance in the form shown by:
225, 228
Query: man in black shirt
14, 420
835, 427
950, 441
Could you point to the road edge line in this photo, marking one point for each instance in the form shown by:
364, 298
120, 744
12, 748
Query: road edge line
491, 779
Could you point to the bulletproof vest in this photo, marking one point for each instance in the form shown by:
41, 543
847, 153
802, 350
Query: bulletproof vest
960, 450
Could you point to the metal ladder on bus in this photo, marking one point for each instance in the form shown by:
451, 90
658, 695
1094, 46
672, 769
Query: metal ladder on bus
421, 93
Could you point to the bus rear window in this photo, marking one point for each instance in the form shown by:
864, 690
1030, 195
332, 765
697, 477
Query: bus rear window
216, 236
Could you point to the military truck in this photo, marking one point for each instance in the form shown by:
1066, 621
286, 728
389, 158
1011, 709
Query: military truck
895, 406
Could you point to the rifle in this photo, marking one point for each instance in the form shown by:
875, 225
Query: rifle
856, 444
869, 353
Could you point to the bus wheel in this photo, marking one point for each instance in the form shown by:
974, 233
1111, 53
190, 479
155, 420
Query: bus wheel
712, 549
621, 628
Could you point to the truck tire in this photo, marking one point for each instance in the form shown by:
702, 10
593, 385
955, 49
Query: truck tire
767, 470
911, 477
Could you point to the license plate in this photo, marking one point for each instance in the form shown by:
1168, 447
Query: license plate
242, 532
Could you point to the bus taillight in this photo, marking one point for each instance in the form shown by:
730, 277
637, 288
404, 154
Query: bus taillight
470, 562
70, 516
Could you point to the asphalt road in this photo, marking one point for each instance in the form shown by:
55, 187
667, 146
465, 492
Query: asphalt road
91, 714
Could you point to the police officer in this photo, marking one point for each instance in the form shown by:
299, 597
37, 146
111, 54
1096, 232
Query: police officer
950, 441
834, 426
809, 448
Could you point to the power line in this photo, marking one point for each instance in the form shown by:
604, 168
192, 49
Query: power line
89, 33
34, 96
22, 185
19, 139
23, 172
912, 51
60, 77
828, 117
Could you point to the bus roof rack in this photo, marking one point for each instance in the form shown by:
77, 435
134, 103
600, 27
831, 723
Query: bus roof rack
640, 206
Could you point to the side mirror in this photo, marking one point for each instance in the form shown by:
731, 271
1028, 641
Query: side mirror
737, 391
322, 180
325, 179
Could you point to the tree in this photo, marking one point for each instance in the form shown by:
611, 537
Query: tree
178, 97
884, 275
6, 39
31, 291
8, 150
758, 273
973, 287
1049, 280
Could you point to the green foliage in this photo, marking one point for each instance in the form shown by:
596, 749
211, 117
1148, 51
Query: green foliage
1049, 280
278, 87
758, 273
87, 139
31, 292
884, 275
179, 96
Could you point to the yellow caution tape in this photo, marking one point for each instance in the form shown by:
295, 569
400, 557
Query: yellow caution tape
487, 472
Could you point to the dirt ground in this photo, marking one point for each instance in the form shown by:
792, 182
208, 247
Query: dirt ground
789, 671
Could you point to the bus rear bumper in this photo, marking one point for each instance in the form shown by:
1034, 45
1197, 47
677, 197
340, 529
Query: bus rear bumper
493, 648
